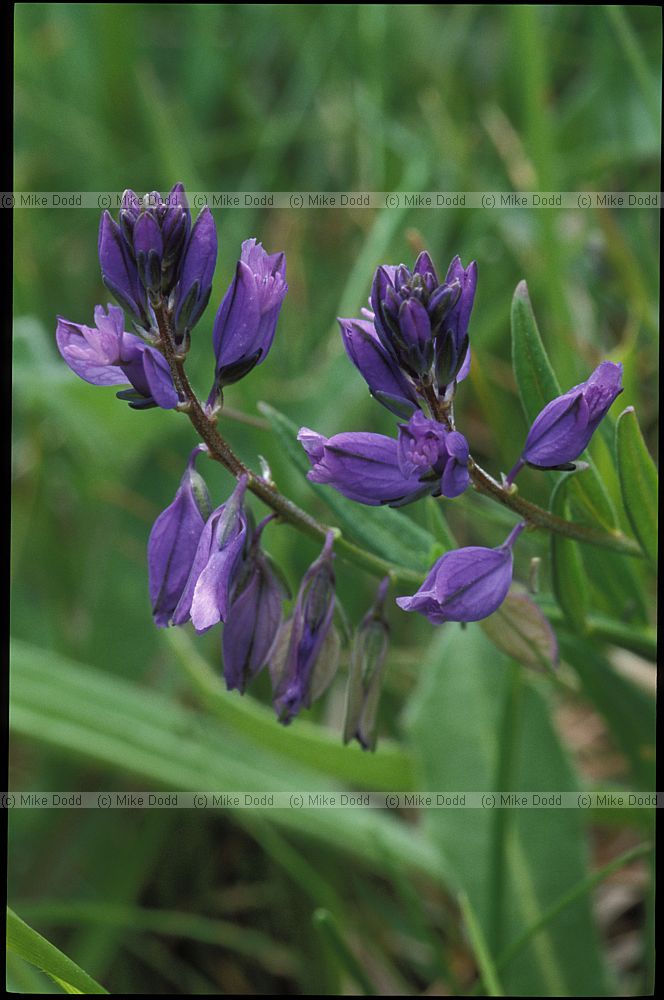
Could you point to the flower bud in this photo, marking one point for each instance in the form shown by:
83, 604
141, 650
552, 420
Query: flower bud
422, 323
254, 616
247, 317
465, 585
367, 665
428, 449
174, 540
306, 655
361, 466
153, 256
563, 429
387, 383
198, 264
206, 595
119, 271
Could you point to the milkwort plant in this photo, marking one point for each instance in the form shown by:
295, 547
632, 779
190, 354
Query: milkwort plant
206, 563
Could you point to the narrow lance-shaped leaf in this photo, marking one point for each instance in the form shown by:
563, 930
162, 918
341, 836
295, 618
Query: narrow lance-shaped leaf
22, 940
568, 575
534, 375
638, 482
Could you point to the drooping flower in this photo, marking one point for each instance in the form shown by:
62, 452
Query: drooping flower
254, 617
247, 318
387, 383
206, 595
465, 585
563, 429
106, 355
174, 540
374, 469
306, 654
362, 466
423, 323
365, 677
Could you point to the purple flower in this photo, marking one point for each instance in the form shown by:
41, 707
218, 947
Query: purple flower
306, 655
374, 469
154, 256
465, 585
174, 540
198, 264
365, 676
423, 323
427, 449
106, 355
206, 595
387, 383
119, 271
452, 350
247, 317
362, 466
254, 617
563, 429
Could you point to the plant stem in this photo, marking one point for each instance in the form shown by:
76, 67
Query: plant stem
221, 451
534, 516
538, 517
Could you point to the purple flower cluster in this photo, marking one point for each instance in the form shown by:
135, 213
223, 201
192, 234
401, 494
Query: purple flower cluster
374, 469
207, 565
412, 349
160, 267
153, 252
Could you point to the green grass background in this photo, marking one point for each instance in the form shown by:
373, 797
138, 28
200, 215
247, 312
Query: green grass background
313, 97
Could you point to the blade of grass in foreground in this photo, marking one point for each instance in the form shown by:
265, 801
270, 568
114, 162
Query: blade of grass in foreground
331, 934
583, 887
28, 944
480, 949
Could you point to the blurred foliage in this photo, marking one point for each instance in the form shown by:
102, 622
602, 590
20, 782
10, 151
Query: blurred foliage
340, 97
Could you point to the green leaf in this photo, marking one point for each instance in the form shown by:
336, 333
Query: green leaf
520, 629
462, 734
482, 954
592, 497
534, 375
538, 385
307, 741
138, 920
616, 588
29, 945
568, 575
78, 710
386, 532
638, 482
328, 928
